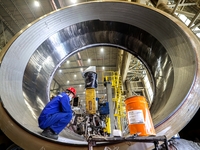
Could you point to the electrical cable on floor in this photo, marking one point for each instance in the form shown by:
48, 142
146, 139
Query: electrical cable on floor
99, 136
108, 148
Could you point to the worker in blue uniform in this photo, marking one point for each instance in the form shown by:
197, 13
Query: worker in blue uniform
56, 114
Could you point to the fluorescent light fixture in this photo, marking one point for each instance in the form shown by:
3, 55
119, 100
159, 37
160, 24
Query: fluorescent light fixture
73, 1
37, 4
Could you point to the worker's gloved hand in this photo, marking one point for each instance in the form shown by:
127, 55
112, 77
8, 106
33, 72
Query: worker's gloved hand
73, 113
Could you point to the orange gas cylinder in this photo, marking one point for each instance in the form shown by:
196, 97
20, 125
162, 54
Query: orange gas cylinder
138, 116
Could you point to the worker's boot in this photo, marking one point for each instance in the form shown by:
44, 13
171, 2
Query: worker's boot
49, 133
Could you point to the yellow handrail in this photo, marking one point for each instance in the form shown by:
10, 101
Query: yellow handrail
115, 80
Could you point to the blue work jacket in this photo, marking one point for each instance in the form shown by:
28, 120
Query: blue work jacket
60, 103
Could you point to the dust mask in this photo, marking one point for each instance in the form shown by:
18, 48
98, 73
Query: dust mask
70, 97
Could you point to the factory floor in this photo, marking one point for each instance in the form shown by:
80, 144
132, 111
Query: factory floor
189, 137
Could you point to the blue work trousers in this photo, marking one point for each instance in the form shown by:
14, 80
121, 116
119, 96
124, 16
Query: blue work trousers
57, 122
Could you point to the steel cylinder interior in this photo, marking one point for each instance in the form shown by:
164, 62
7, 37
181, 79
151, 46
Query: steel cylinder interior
170, 54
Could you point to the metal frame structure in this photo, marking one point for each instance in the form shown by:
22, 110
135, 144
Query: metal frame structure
93, 141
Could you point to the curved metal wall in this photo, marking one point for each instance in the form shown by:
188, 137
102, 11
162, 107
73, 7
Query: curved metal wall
167, 47
55, 49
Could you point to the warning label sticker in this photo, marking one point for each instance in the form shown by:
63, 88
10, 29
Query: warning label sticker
135, 117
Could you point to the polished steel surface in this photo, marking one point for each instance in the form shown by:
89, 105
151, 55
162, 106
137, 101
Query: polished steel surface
54, 50
171, 57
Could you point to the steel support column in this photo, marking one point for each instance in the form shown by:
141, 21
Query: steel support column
111, 106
